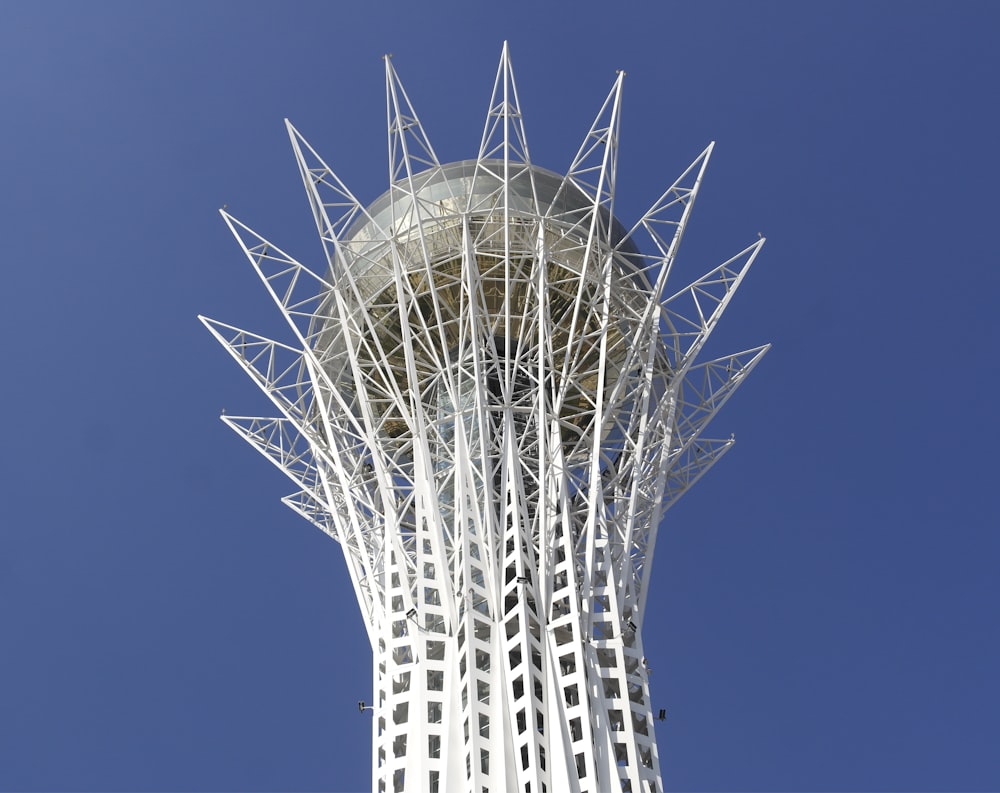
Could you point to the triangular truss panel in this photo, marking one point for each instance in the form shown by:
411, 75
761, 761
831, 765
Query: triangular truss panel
410, 150
489, 399
335, 209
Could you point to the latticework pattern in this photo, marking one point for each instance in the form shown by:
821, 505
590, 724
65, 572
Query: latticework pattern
489, 402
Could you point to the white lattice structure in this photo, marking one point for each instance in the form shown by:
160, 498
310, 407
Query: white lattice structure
489, 402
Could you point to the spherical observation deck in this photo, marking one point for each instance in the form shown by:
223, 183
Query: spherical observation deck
454, 257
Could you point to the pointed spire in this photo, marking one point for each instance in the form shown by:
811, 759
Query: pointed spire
666, 220
706, 388
692, 464
693, 312
279, 370
503, 140
334, 207
298, 291
280, 441
503, 133
409, 149
688, 467
595, 166
305, 504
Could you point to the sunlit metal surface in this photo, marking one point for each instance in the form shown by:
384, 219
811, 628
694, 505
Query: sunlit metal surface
490, 399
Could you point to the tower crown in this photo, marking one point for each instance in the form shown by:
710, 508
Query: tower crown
490, 402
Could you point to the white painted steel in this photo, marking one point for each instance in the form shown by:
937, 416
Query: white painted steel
490, 404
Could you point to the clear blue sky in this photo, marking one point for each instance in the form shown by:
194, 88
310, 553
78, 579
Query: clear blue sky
827, 605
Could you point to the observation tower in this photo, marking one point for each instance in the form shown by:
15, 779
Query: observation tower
489, 399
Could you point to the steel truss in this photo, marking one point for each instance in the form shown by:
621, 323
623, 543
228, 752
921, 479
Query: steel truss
489, 401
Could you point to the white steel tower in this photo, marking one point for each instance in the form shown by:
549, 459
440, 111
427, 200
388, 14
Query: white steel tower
490, 400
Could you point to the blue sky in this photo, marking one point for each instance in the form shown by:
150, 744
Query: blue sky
826, 611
